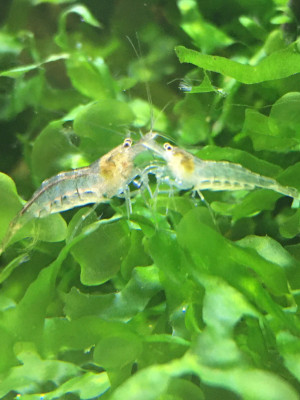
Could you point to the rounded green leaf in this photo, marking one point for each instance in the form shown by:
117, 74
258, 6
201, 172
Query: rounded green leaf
116, 352
105, 122
100, 254
53, 151
85, 15
91, 77
10, 203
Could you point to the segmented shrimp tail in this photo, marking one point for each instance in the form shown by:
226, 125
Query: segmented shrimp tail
269, 183
291, 192
15, 225
288, 191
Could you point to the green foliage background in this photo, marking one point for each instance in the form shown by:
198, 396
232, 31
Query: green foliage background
166, 304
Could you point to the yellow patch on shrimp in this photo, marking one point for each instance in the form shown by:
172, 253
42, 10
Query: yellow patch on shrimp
115, 166
182, 164
186, 160
107, 167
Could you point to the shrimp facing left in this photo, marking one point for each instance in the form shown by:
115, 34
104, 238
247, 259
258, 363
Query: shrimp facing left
190, 172
109, 176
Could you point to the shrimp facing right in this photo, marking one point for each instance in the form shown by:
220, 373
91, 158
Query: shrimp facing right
190, 172
109, 176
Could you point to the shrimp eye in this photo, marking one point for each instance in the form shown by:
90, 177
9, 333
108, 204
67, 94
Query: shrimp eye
127, 142
168, 147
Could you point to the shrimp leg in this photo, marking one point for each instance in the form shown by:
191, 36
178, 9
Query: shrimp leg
190, 172
107, 177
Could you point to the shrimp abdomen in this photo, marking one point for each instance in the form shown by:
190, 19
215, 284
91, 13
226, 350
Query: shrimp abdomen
64, 191
215, 176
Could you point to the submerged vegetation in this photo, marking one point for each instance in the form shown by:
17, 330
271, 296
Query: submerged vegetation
177, 300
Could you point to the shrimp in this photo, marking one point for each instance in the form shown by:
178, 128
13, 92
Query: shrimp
190, 172
109, 176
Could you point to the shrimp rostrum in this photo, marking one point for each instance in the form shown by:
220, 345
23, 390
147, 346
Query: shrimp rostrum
190, 172
109, 176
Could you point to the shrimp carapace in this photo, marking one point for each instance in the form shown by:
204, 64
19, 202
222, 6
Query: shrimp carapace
109, 176
190, 172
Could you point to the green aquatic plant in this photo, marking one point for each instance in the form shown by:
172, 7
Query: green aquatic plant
165, 303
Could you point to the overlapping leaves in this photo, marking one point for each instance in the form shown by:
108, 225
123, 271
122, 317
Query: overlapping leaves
167, 303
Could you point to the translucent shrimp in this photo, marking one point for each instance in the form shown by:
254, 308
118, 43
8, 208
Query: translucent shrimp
107, 177
190, 172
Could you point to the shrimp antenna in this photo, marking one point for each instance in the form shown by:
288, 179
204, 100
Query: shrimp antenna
153, 120
158, 116
138, 54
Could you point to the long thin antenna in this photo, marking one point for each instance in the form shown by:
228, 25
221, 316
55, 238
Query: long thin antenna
153, 120
138, 54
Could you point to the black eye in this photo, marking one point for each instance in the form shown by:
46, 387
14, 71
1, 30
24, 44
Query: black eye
127, 142
168, 147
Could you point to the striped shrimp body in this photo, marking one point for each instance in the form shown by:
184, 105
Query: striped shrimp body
190, 172
65, 191
107, 177
98, 182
